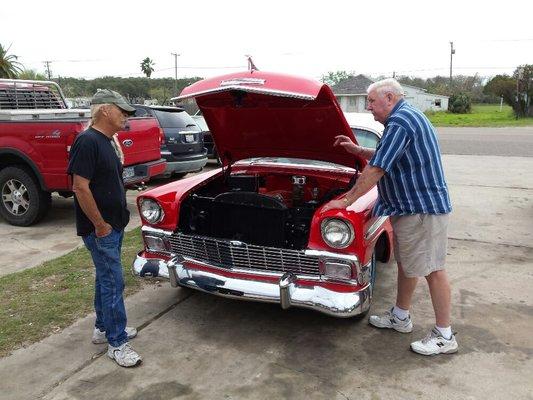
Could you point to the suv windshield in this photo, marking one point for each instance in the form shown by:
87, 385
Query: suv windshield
175, 119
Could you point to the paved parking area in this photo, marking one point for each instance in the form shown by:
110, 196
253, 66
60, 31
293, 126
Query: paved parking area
197, 346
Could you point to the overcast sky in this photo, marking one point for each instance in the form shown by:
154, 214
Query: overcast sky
95, 38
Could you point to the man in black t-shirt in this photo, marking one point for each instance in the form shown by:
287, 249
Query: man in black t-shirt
101, 216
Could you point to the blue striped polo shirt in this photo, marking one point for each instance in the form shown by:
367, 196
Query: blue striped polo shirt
409, 154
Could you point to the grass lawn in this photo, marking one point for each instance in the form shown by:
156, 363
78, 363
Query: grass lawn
43, 300
481, 115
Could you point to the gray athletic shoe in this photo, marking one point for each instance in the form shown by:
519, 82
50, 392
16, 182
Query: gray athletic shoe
390, 321
99, 336
435, 343
124, 355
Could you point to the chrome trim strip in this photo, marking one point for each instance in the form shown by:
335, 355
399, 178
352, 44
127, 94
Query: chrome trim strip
251, 271
371, 231
149, 229
328, 254
259, 90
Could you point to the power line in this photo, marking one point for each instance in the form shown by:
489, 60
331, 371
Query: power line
48, 71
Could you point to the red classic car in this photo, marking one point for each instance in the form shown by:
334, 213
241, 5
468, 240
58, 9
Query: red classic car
253, 229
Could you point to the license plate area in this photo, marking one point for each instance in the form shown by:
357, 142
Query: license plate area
128, 172
189, 138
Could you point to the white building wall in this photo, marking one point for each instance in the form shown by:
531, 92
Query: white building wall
416, 97
425, 101
352, 103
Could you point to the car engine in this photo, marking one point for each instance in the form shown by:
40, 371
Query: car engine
272, 210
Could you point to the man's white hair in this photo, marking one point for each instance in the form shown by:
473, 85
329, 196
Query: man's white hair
96, 110
95, 113
389, 85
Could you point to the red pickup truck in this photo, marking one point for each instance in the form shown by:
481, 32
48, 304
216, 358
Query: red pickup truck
37, 130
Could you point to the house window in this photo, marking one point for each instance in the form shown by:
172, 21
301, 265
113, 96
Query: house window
438, 103
352, 104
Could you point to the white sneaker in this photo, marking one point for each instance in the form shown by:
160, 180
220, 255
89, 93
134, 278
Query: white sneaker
99, 336
435, 343
124, 355
391, 321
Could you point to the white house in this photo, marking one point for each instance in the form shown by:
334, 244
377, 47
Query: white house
351, 95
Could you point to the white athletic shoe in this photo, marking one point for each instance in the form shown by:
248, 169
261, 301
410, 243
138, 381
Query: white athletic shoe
390, 321
99, 336
124, 355
435, 343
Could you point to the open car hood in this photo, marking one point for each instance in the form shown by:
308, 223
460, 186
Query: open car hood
263, 114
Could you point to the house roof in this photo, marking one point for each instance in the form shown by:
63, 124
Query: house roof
357, 85
353, 85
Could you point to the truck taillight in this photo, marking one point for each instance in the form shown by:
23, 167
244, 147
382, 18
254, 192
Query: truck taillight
161, 136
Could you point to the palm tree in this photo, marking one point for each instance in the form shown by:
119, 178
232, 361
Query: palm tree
147, 66
31, 74
9, 66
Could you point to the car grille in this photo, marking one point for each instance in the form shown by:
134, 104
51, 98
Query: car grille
230, 254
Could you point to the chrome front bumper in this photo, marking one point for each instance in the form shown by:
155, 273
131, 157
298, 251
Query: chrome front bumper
287, 291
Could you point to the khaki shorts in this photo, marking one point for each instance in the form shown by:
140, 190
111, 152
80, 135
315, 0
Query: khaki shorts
420, 243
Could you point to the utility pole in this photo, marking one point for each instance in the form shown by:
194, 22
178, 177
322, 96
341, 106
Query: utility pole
452, 52
175, 73
519, 76
48, 72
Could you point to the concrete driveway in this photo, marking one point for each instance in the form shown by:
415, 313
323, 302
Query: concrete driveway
197, 346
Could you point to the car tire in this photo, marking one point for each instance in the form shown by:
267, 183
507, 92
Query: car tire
178, 175
216, 156
22, 202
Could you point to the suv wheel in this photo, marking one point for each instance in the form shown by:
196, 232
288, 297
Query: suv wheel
23, 202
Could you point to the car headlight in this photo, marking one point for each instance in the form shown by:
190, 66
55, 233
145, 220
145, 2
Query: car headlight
151, 211
337, 233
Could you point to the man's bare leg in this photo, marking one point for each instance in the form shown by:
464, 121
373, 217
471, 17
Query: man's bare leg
440, 291
406, 288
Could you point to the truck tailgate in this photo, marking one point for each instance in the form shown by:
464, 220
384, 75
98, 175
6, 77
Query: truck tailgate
141, 142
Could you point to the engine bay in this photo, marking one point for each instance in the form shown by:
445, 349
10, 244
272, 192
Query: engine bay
267, 209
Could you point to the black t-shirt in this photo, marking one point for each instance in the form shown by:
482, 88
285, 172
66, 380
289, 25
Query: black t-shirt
93, 157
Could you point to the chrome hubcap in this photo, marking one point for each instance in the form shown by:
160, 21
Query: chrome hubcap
15, 197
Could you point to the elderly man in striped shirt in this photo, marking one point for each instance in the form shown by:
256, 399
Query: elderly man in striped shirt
407, 168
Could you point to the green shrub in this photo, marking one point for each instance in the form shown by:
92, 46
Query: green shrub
460, 103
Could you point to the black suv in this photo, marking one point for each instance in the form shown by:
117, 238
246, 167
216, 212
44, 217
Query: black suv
183, 144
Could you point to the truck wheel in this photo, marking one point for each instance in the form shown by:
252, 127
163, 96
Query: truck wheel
23, 202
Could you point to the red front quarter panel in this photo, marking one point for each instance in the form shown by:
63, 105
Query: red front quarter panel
171, 195
358, 214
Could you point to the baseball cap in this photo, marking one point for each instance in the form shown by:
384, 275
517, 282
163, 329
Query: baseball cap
106, 96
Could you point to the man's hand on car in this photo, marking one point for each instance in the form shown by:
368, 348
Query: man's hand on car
347, 143
339, 204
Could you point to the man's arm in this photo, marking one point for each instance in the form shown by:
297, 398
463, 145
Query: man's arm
369, 177
345, 142
80, 186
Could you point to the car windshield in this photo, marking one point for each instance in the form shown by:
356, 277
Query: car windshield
175, 119
366, 138
293, 161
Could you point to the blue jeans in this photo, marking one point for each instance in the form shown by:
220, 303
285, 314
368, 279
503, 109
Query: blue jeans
108, 285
